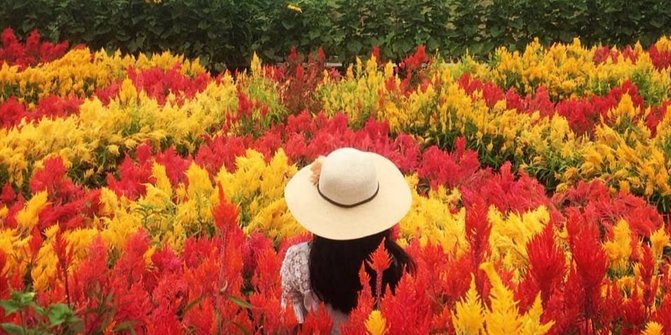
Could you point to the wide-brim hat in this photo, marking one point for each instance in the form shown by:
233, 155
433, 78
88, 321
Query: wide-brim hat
348, 194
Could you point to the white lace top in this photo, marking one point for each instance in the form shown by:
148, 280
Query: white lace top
296, 288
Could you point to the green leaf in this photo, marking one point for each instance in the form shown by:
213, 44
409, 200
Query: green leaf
354, 46
240, 302
10, 306
11, 328
241, 328
58, 313
23, 297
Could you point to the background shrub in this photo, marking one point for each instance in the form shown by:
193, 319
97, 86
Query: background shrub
225, 33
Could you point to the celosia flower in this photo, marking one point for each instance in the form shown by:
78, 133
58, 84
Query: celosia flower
546, 262
468, 315
653, 328
28, 217
376, 324
619, 249
659, 240
379, 261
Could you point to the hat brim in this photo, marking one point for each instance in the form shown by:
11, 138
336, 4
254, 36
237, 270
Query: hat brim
327, 220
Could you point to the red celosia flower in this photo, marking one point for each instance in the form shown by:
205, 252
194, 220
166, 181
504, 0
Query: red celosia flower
663, 314
590, 260
448, 169
158, 83
107, 93
174, 164
73, 214
4, 284
132, 178
477, 230
32, 52
409, 310
365, 303
376, 53
379, 261
604, 53
255, 244
221, 152
52, 106
202, 317
64, 254
7, 195
53, 179
564, 306
656, 116
661, 59
490, 92
35, 240
595, 200
414, 61
11, 112
633, 313
546, 262
10, 219
225, 214
317, 323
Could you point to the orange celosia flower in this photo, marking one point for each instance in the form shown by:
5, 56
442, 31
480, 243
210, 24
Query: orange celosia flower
379, 260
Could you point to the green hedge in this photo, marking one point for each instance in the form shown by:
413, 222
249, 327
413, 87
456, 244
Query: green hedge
224, 33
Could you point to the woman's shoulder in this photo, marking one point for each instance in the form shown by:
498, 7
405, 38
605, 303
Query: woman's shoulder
301, 250
295, 269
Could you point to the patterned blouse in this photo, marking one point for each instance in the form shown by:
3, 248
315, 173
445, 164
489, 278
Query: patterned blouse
296, 288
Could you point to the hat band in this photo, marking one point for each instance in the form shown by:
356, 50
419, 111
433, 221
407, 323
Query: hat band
350, 205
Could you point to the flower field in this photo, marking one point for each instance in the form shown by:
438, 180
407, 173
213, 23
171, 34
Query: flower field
144, 195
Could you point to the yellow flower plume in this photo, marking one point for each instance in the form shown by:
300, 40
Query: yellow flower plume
376, 324
468, 317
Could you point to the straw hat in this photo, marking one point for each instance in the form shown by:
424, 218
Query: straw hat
348, 194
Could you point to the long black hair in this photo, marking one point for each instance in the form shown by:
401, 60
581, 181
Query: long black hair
334, 268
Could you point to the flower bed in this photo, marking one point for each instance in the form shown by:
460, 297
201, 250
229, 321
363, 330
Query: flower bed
142, 194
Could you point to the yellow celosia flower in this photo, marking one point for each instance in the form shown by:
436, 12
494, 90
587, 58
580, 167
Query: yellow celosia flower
3, 212
108, 201
503, 315
431, 220
127, 121
46, 263
113, 149
275, 221
17, 250
510, 235
531, 321
199, 182
28, 217
619, 249
468, 316
659, 240
376, 324
119, 228
80, 240
161, 177
256, 65
653, 328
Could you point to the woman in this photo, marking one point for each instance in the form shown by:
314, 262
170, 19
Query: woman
349, 200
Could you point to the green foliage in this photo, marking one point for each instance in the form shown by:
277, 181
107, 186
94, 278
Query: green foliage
225, 33
55, 319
